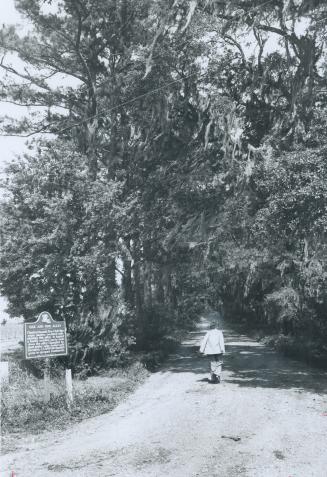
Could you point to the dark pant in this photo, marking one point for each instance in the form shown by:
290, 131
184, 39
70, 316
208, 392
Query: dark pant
216, 361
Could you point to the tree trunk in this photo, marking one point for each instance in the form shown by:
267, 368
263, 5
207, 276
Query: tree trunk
127, 283
140, 328
148, 302
160, 292
127, 274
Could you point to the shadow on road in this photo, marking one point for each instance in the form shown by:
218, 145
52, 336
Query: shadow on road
248, 363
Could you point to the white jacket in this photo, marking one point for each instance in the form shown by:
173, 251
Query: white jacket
213, 342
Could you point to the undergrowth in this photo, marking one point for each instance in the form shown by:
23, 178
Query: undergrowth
23, 407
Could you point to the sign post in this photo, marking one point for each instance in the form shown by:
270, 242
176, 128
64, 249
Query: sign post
47, 338
69, 388
46, 379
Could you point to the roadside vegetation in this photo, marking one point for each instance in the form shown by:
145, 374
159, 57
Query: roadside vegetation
24, 410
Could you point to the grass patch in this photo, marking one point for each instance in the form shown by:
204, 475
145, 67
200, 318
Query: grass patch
22, 399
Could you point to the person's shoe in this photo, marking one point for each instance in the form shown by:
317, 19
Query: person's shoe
214, 379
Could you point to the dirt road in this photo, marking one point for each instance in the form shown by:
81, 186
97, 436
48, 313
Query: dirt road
173, 425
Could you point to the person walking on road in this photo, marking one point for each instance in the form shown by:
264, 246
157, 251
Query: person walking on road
213, 345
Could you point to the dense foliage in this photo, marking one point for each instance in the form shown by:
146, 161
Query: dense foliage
180, 162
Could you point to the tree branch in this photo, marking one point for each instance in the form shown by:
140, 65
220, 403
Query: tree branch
33, 133
238, 46
272, 29
31, 105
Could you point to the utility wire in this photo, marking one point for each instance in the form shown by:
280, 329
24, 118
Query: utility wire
160, 88
130, 101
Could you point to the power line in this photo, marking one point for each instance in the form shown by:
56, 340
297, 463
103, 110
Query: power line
124, 103
104, 112
127, 102
100, 114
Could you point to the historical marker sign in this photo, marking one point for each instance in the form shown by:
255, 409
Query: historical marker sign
45, 337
